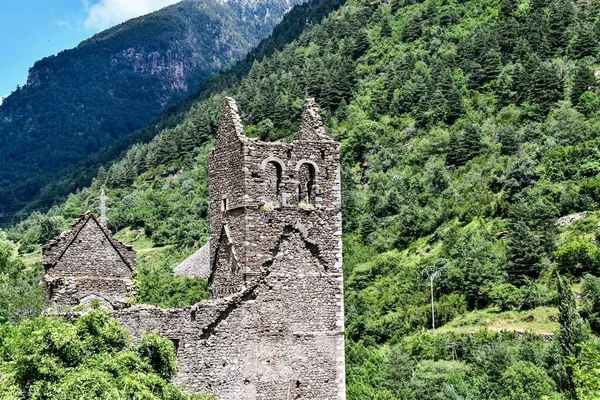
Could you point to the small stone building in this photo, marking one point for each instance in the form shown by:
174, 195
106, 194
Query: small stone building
274, 329
86, 263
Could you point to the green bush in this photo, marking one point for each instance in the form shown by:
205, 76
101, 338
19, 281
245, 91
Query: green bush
507, 297
578, 257
590, 299
526, 381
92, 358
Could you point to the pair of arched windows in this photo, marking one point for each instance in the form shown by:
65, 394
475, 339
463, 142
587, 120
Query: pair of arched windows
306, 172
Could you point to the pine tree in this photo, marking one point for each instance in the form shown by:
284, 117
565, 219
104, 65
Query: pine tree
412, 31
507, 8
315, 77
102, 175
507, 136
454, 106
508, 33
546, 87
525, 251
584, 43
437, 107
571, 329
561, 16
538, 5
487, 58
386, 28
583, 80
465, 145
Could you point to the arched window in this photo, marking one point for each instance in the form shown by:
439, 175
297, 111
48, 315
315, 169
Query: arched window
306, 188
272, 176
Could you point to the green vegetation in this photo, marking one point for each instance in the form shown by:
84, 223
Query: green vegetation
20, 294
157, 284
48, 358
467, 128
542, 320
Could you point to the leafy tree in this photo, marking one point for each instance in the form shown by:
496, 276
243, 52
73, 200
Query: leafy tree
585, 371
526, 381
48, 358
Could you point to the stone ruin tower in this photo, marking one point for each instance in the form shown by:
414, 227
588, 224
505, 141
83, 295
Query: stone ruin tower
87, 263
276, 230
274, 207
274, 328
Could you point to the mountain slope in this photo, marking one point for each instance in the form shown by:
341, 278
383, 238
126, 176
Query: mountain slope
78, 102
467, 129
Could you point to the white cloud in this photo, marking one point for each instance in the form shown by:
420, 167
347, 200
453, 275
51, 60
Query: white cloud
62, 23
107, 13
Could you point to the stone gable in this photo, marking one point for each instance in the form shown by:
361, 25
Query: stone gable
87, 263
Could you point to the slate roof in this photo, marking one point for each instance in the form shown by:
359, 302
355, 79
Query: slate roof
197, 265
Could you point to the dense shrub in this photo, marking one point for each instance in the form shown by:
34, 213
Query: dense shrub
93, 358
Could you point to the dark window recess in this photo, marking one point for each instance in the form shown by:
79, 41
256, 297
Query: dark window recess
224, 204
273, 175
306, 177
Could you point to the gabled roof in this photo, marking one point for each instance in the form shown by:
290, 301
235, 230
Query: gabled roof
197, 265
54, 251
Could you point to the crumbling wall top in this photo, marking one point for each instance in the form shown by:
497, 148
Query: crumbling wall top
230, 124
311, 127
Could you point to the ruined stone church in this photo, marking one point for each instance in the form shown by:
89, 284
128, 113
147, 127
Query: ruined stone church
274, 328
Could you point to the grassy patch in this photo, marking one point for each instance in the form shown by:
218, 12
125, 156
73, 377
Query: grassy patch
135, 238
539, 320
31, 259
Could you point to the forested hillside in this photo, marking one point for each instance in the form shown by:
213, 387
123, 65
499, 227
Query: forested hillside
468, 130
84, 99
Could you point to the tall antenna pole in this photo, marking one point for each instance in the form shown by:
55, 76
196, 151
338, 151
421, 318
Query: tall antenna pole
432, 275
103, 198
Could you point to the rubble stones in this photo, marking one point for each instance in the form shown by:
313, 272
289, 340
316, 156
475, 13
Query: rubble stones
570, 219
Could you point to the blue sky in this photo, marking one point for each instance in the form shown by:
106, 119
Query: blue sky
33, 29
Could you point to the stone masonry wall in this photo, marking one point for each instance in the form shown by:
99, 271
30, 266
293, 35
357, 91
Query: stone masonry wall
280, 338
275, 329
87, 263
